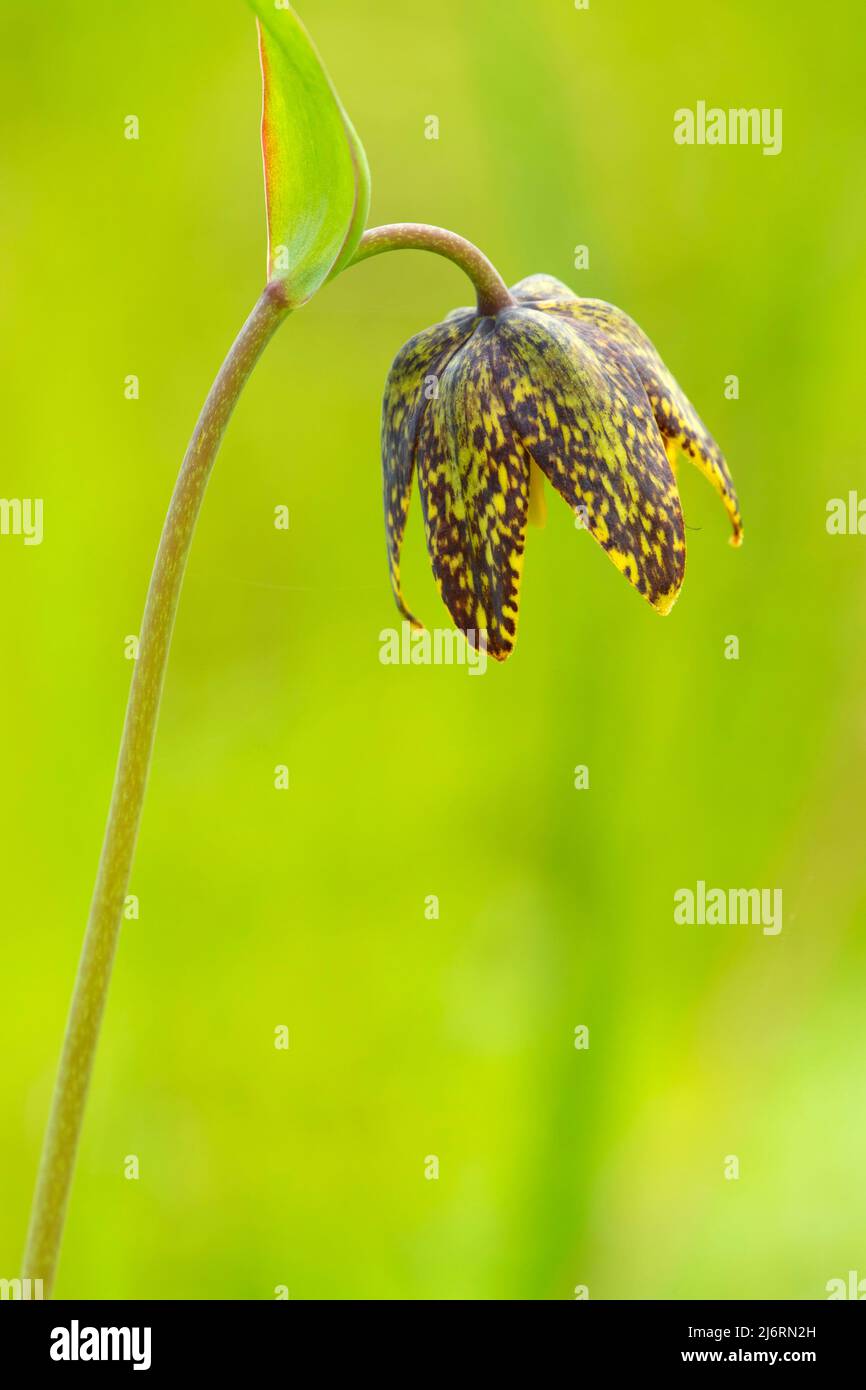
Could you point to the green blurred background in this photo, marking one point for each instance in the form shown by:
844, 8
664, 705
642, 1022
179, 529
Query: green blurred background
558, 1167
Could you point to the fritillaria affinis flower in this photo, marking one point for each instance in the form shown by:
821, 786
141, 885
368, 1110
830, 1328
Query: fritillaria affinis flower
485, 407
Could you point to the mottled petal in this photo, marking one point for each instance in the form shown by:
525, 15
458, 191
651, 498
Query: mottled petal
534, 287
474, 479
675, 415
582, 414
412, 381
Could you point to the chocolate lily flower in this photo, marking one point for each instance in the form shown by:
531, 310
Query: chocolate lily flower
484, 407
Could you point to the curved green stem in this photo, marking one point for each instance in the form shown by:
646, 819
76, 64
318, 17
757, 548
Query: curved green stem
491, 289
94, 970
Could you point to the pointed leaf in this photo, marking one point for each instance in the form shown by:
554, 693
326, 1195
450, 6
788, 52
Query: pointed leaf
317, 182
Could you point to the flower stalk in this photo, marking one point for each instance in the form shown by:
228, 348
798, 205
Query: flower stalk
490, 288
60, 1147
94, 972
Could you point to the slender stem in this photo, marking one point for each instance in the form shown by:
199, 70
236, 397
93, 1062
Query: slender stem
492, 292
94, 970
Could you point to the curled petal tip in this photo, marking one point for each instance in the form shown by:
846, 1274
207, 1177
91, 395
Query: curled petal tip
415, 623
665, 602
495, 646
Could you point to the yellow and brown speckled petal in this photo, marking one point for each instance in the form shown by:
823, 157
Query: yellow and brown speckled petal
675, 415
581, 412
537, 287
474, 479
412, 381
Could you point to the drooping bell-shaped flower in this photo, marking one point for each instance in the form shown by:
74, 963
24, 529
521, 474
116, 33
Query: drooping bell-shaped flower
483, 406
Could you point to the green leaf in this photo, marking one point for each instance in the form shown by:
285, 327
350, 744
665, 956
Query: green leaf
317, 181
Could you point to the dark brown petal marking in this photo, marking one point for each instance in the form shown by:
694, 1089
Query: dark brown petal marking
474, 481
407, 393
675, 415
581, 412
